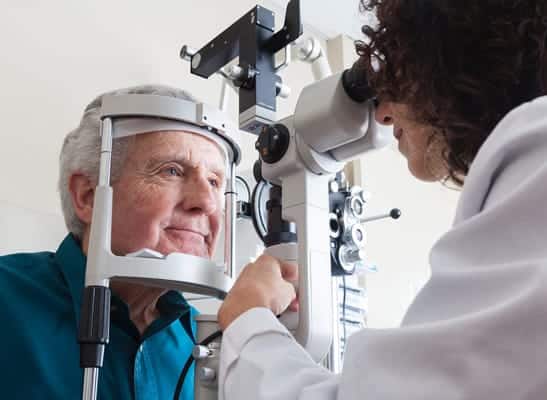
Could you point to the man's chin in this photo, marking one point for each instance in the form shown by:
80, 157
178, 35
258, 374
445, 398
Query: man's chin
199, 251
203, 254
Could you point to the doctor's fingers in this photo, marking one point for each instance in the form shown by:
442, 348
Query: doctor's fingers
289, 271
268, 262
285, 297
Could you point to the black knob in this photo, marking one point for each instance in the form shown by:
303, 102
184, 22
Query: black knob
395, 213
272, 143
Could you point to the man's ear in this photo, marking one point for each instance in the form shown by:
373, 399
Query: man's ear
82, 191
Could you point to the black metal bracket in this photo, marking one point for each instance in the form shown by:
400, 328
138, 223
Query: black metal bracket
292, 29
252, 39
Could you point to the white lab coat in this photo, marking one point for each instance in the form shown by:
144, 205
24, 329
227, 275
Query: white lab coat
477, 330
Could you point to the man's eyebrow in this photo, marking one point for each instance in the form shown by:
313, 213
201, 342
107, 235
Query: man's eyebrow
184, 162
154, 161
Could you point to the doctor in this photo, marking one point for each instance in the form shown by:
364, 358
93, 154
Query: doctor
463, 84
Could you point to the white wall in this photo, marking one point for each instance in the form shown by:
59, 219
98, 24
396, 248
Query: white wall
400, 248
58, 55
26, 230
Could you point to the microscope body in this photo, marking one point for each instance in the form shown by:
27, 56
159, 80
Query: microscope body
333, 123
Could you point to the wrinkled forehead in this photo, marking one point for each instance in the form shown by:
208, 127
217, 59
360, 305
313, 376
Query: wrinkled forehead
162, 130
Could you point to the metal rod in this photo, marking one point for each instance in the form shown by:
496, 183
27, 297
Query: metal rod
376, 217
224, 94
233, 204
106, 152
91, 375
91, 383
312, 52
230, 224
335, 354
321, 68
395, 213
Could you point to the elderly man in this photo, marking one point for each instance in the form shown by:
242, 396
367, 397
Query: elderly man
168, 191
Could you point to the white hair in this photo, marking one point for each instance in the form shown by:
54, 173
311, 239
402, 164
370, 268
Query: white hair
81, 149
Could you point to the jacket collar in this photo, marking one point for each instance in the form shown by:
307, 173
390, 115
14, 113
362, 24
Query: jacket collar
72, 262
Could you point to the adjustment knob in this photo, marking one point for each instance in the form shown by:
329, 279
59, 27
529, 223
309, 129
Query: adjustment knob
186, 53
207, 374
272, 143
200, 352
348, 258
352, 256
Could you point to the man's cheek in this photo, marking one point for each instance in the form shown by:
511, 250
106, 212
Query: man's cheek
145, 196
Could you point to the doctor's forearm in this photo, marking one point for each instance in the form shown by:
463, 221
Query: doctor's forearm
262, 362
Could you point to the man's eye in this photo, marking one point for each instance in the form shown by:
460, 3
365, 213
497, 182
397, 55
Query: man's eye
214, 182
172, 171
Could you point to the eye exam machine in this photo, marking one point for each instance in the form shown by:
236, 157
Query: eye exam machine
302, 208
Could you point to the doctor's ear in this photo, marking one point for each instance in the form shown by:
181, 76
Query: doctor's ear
82, 192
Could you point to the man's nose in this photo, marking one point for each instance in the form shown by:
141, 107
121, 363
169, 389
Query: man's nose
201, 196
384, 114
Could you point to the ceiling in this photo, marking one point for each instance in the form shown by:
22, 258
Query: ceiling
329, 18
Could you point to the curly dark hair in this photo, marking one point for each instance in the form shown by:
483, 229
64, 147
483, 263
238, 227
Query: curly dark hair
459, 65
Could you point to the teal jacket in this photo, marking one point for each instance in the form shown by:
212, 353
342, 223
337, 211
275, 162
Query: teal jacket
40, 296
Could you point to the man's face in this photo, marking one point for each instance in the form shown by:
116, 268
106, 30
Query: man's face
169, 195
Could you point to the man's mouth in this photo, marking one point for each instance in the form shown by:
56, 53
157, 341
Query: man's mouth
186, 234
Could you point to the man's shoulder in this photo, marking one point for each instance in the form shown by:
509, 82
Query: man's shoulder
22, 259
25, 271
39, 330
34, 296
19, 264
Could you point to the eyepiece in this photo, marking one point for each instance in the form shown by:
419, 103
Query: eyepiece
355, 82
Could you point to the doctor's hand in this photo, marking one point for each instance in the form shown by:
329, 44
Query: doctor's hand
264, 283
